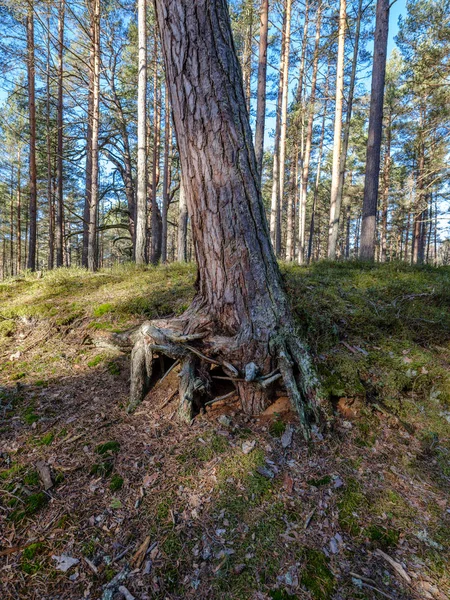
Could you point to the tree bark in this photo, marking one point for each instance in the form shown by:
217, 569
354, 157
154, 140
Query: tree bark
93, 209
307, 153
240, 318
141, 202
59, 159
19, 215
261, 93
50, 203
334, 207
368, 225
31, 263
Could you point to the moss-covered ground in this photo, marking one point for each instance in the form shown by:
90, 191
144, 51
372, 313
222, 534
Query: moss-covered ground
230, 513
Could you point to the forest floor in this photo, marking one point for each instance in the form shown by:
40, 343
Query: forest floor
230, 507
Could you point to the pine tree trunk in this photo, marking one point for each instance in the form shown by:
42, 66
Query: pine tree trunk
141, 202
93, 209
334, 207
240, 317
247, 53
59, 167
156, 219
19, 209
88, 182
307, 153
385, 192
166, 178
51, 219
182, 225
31, 262
348, 116
371, 182
261, 93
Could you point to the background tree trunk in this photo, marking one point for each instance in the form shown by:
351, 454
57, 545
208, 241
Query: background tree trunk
261, 92
182, 224
93, 209
335, 208
141, 201
59, 159
368, 225
31, 262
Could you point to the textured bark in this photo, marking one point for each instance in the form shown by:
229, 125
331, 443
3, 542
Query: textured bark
334, 206
261, 92
19, 214
307, 153
247, 52
88, 181
239, 318
370, 202
31, 262
141, 202
93, 208
59, 155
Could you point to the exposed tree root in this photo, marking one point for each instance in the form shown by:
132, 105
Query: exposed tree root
199, 352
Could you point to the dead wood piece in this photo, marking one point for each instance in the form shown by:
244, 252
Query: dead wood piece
138, 557
45, 474
126, 593
396, 565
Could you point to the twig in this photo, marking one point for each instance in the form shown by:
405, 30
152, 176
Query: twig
363, 581
175, 364
172, 395
220, 398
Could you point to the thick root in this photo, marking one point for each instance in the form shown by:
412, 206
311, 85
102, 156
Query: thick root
199, 352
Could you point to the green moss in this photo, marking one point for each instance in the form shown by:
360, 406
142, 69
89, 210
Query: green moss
352, 500
29, 563
316, 576
103, 469
46, 439
116, 483
31, 478
108, 448
381, 536
322, 481
96, 360
276, 429
32, 504
29, 415
88, 548
282, 595
113, 368
102, 309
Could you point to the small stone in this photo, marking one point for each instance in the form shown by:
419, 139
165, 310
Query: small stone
333, 546
224, 420
64, 562
247, 447
265, 472
239, 568
338, 483
286, 438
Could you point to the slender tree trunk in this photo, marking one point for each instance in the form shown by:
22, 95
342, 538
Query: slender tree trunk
31, 264
247, 53
280, 134
141, 202
240, 311
19, 209
93, 209
334, 207
60, 122
166, 178
385, 192
348, 115
51, 220
418, 208
307, 153
182, 225
90, 117
368, 225
319, 166
156, 219
261, 93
